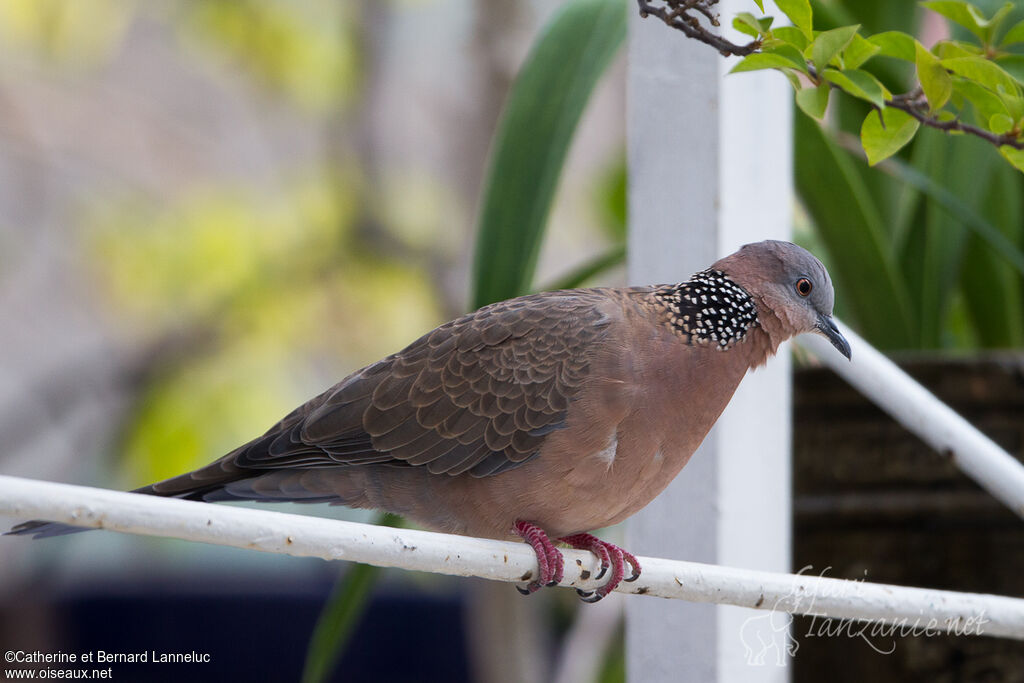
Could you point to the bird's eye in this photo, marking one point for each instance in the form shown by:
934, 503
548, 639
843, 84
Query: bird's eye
803, 286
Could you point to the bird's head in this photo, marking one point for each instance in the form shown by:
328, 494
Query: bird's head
791, 283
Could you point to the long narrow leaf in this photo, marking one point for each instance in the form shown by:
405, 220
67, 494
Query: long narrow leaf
952, 167
538, 123
536, 127
341, 613
963, 212
577, 278
991, 288
993, 263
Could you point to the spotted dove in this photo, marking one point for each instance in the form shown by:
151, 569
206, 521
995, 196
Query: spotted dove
543, 417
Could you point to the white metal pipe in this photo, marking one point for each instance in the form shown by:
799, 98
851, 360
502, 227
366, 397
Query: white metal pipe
275, 532
922, 413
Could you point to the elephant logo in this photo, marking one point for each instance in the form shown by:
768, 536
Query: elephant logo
767, 637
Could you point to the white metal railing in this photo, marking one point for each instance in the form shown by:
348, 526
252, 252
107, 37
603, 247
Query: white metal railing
510, 561
922, 413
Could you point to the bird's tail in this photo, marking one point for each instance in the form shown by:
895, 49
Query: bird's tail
202, 484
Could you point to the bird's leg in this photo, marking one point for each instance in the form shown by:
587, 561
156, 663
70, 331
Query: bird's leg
608, 554
550, 563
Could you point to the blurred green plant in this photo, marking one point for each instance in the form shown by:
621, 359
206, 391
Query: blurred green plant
610, 200
537, 125
533, 136
920, 222
341, 613
307, 49
927, 247
68, 34
963, 86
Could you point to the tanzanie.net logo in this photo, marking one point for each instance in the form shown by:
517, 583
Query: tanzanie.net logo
769, 636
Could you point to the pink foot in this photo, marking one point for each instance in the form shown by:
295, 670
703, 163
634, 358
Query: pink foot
550, 562
609, 555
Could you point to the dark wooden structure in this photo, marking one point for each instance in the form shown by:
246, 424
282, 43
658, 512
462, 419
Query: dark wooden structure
873, 502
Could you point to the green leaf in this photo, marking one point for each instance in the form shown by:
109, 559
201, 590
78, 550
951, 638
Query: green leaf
760, 5
955, 206
540, 116
610, 197
960, 13
970, 17
885, 132
791, 35
1014, 35
990, 286
1000, 124
747, 23
1013, 65
615, 256
768, 60
983, 71
793, 79
997, 19
1014, 156
929, 263
895, 44
935, 81
828, 44
799, 12
950, 49
956, 176
1014, 105
849, 224
340, 614
813, 101
790, 53
858, 51
860, 84
986, 103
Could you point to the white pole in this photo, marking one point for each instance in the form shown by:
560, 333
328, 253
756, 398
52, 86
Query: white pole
922, 413
710, 170
301, 536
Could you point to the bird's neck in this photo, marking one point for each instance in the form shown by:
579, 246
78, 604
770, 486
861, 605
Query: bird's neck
711, 310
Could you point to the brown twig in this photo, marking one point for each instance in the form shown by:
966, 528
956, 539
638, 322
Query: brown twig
677, 14
926, 119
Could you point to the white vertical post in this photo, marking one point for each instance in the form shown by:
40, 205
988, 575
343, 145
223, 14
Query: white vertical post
710, 169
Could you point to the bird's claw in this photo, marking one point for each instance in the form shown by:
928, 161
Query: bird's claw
635, 575
610, 556
550, 563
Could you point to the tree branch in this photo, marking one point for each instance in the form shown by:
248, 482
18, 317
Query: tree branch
679, 15
956, 124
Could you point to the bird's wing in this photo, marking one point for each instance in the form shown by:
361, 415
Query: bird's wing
477, 395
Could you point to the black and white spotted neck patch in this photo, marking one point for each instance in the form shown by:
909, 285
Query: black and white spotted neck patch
709, 309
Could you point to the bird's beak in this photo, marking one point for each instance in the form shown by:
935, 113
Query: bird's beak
828, 329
